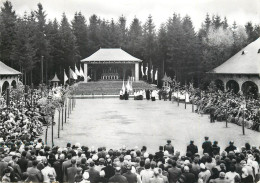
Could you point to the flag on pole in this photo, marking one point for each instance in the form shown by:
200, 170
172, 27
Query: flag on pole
128, 87
65, 77
146, 70
142, 70
77, 71
156, 75
123, 87
73, 75
81, 71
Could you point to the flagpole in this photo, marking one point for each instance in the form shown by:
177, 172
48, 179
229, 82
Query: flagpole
69, 75
157, 77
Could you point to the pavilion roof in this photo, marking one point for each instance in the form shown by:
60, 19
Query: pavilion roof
246, 61
111, 55
6, 70
55, 78
166, 78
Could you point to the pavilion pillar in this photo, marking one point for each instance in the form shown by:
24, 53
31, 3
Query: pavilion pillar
137, 71
85, 72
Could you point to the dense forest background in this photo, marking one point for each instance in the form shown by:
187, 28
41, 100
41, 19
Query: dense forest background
174, 48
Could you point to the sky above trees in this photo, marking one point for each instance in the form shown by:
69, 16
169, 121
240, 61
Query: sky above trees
240, 11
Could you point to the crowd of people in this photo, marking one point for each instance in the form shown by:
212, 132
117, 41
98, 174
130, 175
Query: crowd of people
33, 161
235, 108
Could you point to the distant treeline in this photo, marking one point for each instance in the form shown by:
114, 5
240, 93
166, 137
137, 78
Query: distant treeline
175, 48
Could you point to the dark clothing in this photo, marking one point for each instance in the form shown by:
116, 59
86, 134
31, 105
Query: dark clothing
215, 149
23, 163
3, 166
230, 148
192, 148
248, 179
93, 175
118, 178
187, 178
207, 147
71, 172
109, 171
102, 180
174, 174
159, 156
131, 178
169, 148
57, 165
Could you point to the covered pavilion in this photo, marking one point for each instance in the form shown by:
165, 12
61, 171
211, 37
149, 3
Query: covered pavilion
241, 72
8, 77
111, 64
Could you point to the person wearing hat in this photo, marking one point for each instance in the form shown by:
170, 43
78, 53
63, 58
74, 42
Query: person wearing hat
207, 146
118, 177
231, 147
169, 147
131, 177
193, 149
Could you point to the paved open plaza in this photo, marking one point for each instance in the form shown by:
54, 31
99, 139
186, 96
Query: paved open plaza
113, 123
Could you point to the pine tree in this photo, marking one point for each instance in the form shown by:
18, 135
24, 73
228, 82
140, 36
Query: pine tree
175, 46
216, 21
93, 34
135, 39
122, 32
56, 53
162, 49
23, 50
68, 44
149, 43
79, 28
191, 51
113, 35
7, 32
225, 23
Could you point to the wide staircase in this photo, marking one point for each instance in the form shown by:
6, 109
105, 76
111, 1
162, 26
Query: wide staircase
108, 87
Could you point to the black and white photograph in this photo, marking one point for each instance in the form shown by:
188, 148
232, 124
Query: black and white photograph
130, 91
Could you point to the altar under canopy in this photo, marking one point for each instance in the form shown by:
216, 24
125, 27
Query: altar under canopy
111, 64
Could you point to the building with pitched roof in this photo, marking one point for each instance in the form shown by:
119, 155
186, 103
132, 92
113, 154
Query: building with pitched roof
241, 72
8, 77
111, 64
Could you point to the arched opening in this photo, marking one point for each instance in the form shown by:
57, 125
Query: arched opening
250, 89
13, 84
219, 84
5, 86
233, 86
